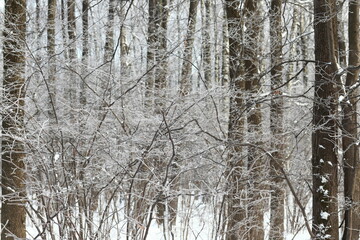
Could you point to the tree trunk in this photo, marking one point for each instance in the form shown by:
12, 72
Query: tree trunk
350, 132
151, 52
255, 164
85, 49
276, 125
206, 40
185, 82
124, 48
70, 93
51, 63
161, 59
236, 225
109, 36
13, 176
324, 149
225, 52
157, 44
245, 204
105, 81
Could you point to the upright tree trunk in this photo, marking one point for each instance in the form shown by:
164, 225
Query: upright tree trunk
71, 30
236, 224
13, 176
151, 53
124, 48
276, 124
85, 49
51, 57
71, 163
105, 81
161, 70
157, 44
206, 44
350, 131
185, 82
225, 52
255, 164
109, 36
324, 148
245, 203
304, 48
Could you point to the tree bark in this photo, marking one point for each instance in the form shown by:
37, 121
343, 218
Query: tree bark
225, 52
350, 131
157, 45
206, 40
324, 149
13, 176
236, 225
185, 82
105, 81
51, 57
255, 164
276, 124
85, 49
70, 94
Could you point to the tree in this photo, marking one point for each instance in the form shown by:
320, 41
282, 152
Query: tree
350, 127
185, 82
156, 52
13, 153
245, 204
206, 43
324, 147
236, 209
276, 123
255, 162
51, 55
85, 49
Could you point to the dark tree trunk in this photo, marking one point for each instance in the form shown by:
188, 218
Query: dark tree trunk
156, 53
236, 163
13, 176
276, 125
245, 204
324, 147
51, 57
350, 131
186, 83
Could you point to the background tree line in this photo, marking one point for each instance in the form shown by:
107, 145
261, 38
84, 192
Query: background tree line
180, 119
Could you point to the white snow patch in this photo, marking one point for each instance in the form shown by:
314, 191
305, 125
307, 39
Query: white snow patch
56, 156
341, 98
324, 215
323, 179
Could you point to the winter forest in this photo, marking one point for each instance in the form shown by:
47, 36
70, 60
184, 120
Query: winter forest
180, 119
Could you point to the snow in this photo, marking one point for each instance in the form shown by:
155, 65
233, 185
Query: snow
341, 98
56, 156
324, 191
323, 179
324, 215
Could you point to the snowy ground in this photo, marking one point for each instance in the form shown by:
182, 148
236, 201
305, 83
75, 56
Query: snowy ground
195, 221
